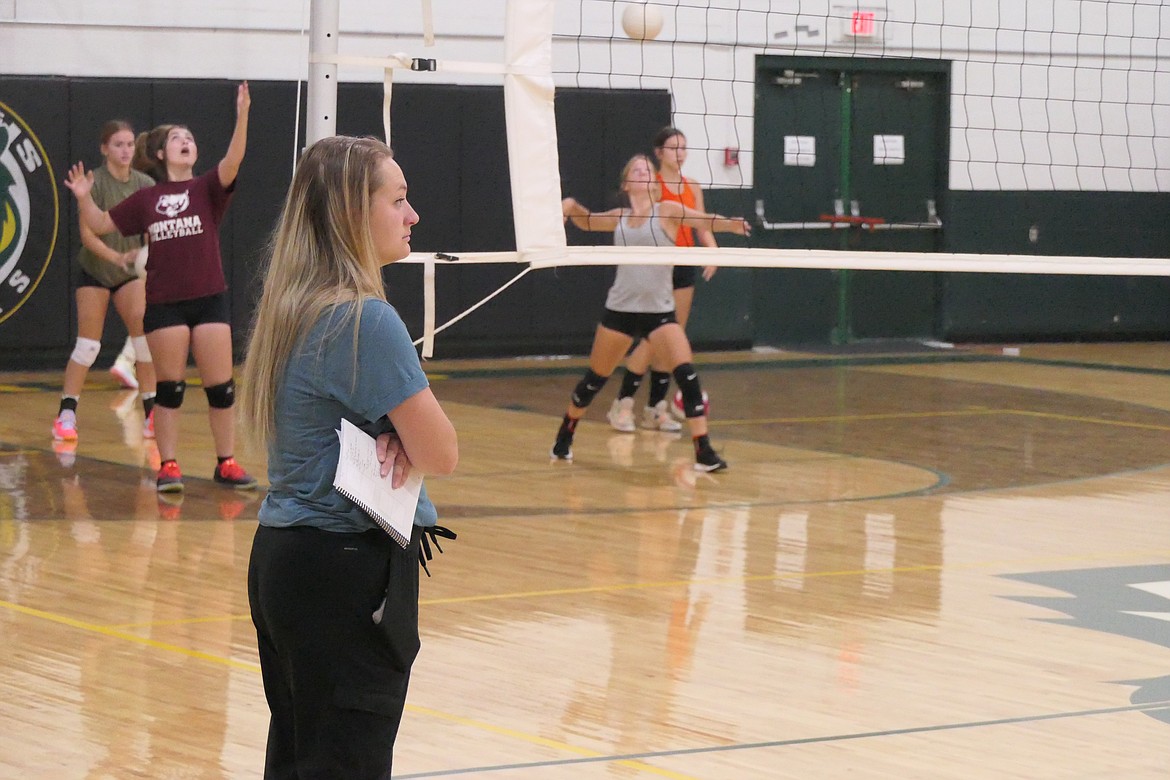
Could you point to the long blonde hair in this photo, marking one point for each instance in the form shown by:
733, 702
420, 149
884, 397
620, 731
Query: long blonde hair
320, 254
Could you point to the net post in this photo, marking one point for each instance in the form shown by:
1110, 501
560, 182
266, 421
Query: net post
321, 106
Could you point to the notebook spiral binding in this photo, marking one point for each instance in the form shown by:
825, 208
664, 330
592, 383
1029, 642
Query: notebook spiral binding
403, 542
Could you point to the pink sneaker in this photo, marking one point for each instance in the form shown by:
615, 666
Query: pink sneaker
65, 426
148, 426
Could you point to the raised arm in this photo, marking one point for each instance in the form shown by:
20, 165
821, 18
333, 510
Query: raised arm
595, 221
81, 184
426, 434
229, 166
674, 214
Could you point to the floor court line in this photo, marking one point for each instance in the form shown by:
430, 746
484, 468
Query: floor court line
115, 633
120, 631
633, 760
838, 418
1156, 706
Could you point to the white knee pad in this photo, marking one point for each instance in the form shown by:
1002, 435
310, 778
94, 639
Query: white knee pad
85, 351
141, 350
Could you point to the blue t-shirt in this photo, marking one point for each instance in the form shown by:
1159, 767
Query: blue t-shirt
323, 384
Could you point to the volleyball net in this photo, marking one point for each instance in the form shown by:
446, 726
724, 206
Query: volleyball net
838, 128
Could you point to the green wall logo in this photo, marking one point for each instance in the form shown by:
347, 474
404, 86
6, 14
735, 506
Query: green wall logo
29, 212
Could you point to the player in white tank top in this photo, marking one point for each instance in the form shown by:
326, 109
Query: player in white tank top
646, 300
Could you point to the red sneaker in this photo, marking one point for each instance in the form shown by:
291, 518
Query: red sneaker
170, 505
232, 474
170, 479
231, 508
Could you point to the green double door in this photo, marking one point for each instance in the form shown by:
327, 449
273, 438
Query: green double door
849, 154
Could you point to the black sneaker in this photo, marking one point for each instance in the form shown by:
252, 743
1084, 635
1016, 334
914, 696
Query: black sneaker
563, 449
708, 460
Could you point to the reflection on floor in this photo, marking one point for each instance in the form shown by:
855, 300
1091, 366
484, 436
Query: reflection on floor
948, 563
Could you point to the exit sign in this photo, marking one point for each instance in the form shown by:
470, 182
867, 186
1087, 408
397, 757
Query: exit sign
861, 24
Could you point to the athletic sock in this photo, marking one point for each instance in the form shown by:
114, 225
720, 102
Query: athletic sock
630, 384
702, 444
659, 384
568, 426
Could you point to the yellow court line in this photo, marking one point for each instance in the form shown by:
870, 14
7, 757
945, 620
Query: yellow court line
1093, 420
1014, 563
135, 638
533, 738
855, 417
433, 713
663, 584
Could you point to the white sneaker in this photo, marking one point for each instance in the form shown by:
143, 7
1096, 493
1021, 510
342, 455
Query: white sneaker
656, 418
621, 415
123, 371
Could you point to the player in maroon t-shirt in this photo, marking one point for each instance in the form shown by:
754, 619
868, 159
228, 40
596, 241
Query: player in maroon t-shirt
186, 303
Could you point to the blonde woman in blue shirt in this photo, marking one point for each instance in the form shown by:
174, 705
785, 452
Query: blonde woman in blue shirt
326, 345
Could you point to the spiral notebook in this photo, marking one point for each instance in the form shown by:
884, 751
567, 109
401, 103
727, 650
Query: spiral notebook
359, 480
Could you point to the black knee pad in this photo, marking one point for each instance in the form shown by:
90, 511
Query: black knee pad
687, 379
169, 395
221, 396
588, 387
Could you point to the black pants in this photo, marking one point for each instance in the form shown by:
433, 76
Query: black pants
335, 681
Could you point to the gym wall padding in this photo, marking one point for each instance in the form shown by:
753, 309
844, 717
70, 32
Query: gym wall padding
450, 142
997, 307
741, 307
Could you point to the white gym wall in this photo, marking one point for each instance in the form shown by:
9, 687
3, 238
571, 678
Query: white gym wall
1098, 120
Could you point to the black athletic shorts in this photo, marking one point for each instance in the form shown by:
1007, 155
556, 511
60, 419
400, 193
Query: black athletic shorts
636, 325
85, 280
685, 276
197, 311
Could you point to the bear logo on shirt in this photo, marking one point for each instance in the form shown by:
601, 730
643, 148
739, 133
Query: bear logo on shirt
173, 205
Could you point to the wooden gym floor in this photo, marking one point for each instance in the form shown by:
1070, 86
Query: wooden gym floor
921, 564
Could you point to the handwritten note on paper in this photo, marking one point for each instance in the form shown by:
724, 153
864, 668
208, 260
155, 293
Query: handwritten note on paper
358, 478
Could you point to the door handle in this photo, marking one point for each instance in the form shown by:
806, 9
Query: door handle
766, 225
838, 221
932, 221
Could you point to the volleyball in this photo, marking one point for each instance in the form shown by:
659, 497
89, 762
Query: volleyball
140, 262
677, 405
642, 22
